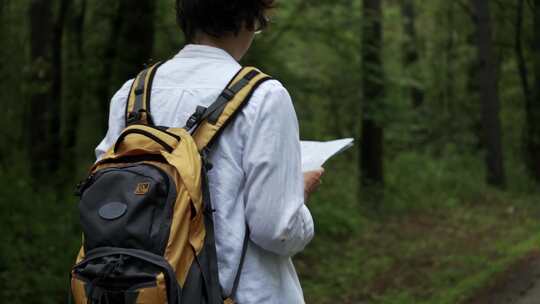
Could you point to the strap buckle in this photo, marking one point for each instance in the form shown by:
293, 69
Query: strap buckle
133, 117
228, 94
195, 118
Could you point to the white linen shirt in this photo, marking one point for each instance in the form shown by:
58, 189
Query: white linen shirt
256, 176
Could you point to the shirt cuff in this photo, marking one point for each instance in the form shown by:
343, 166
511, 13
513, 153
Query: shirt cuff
308, 225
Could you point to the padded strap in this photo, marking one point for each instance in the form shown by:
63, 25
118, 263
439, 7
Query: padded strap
236, 95
138, 102
216, 109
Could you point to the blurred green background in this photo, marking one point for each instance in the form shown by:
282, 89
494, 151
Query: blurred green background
439, 195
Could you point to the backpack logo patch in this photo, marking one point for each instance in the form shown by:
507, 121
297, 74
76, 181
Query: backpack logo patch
142, 188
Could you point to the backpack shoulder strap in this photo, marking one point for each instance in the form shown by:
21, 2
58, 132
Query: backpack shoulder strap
138, 102
216, 117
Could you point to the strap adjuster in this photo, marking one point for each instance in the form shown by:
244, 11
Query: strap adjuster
195, 118
228, 94
133, 117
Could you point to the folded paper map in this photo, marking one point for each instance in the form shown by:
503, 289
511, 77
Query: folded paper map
316, 153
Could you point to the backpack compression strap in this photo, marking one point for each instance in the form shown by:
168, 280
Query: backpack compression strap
216, 117
138, 102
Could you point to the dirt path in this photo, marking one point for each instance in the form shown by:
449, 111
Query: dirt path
519, 285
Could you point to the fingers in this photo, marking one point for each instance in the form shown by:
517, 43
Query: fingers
312, 181
313, 185
319, 172
315, 173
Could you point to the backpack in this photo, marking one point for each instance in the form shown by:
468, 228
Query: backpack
145, 209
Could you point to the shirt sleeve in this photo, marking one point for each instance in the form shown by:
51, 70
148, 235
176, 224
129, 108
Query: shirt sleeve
277, 217
116, 120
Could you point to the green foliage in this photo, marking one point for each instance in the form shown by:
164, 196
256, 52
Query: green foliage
432, 183
440, 256
39, 240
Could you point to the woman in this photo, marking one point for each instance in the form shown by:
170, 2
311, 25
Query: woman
257, 177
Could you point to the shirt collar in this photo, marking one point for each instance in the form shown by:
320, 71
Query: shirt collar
204, 51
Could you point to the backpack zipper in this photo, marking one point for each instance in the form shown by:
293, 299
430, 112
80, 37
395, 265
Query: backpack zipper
165, 145
83, 185
162, 129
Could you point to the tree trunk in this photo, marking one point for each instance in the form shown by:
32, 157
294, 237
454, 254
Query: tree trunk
57, 83
41, 103
137, 37
488, 85
76, 56
130, 45
371, 148
533, 104
109, 59
449, 86
2, 29
522, 66
78, 28
45, 96
410, 49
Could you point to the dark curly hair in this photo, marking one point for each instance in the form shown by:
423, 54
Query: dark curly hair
220, 17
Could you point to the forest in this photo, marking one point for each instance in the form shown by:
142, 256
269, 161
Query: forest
438, 200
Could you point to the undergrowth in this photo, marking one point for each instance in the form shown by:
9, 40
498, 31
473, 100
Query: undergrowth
438, 235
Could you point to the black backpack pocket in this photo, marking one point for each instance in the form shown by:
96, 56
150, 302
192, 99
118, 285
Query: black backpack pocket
124, 276
127, 207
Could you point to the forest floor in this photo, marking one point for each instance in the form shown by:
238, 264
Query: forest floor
519, 284
450, 255
471, 249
